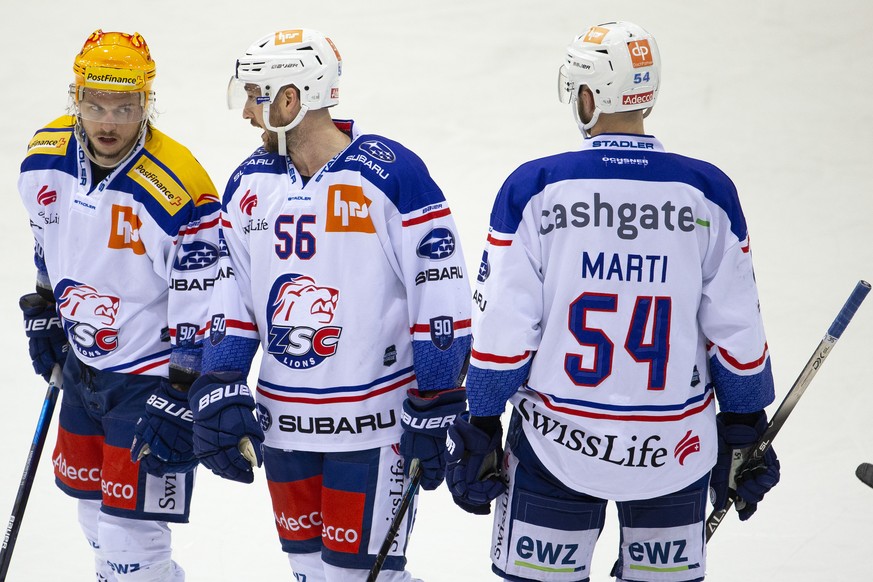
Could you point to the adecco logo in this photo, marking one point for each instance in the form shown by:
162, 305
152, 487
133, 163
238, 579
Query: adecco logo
640, 53
638, 99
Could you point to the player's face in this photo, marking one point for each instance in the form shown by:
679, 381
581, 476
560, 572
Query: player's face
112, 121
254, 112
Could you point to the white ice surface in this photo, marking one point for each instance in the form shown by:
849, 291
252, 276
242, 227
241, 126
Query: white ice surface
776, 93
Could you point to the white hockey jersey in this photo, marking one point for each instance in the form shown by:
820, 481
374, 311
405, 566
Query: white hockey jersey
615, 302
353, 284
131, 260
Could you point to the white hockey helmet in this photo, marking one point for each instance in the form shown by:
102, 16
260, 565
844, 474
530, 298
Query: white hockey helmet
619, 62
301, 57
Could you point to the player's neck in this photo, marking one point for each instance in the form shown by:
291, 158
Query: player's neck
315, 144
630, 122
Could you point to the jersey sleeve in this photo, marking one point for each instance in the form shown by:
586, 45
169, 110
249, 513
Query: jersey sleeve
42, 278
506, 326
233, 331
729, 313
192, 262
425, 243
46, 149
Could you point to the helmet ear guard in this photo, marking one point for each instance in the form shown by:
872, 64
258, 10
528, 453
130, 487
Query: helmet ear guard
619, 62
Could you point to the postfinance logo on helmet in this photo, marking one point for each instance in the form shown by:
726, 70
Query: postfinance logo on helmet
114, 61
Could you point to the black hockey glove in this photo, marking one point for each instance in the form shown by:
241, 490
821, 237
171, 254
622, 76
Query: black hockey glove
227, 436
425, 420
163, 441
730, 477
47, 342
474, 457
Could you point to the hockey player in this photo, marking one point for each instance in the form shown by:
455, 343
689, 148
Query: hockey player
126, 228
614, 306
341, 259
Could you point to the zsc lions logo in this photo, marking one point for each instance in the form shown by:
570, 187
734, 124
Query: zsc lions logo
298, 312
264, 417
196, 255
437, 245
378, 150
89, 317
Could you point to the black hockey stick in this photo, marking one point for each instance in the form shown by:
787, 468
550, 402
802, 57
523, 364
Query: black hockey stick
408, 495
864, 472
749, 457
30, 466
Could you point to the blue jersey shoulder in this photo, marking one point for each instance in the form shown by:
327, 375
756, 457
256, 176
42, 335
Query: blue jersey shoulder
533, 177
169, 182
52, 147
395, 170
259, 162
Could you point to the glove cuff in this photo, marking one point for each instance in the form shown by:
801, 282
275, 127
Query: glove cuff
422, 401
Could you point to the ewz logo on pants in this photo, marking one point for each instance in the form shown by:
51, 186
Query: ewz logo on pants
556, 554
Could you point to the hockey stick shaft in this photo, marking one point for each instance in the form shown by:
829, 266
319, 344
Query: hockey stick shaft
756, 453
30, 466
406, 500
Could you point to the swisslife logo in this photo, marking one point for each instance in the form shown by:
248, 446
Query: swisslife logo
45, 196
248, 202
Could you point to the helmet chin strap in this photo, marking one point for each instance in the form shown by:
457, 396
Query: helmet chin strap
585, 127
281, 131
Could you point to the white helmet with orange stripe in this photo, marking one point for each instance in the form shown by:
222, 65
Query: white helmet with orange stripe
619, 62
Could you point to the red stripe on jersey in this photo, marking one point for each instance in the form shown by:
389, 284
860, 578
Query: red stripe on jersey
483, 357
740, 365
336, 399
226, 223
238, 324
627, 417
427, 217
149, 366
499, 242
199, 227
425, 327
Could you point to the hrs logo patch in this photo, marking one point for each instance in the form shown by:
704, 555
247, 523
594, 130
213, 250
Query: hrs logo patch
124, 233
299, 313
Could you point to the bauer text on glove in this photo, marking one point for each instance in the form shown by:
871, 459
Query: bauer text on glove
425, 419
47, 343
225, 425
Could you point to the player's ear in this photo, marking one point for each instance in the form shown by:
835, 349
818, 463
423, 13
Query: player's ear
290, 96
